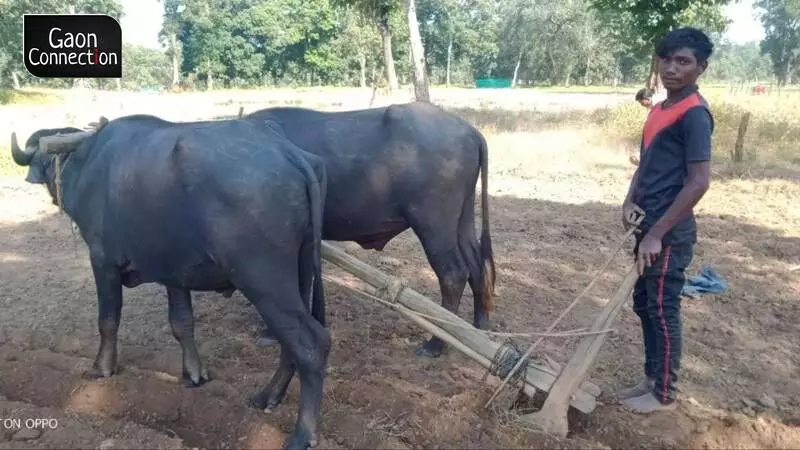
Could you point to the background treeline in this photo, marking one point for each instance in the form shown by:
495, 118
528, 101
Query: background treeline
210, 44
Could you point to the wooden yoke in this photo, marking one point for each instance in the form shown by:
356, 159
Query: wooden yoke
65, 143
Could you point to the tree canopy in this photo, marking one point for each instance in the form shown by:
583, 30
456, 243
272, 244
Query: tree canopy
250, 43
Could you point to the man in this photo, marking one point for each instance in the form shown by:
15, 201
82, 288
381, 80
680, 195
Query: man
673, 175
646, 97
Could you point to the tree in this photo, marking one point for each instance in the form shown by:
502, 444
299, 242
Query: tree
145, 68
168, 36
781, 20
380, 12
460, 37
420, 72
544, 38
640, 23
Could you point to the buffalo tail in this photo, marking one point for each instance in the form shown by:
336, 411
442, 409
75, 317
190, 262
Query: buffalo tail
487, 255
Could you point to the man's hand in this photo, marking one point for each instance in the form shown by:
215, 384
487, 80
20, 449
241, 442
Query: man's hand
630, 214
649, 249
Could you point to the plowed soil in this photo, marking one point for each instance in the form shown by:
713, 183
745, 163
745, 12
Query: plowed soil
554, 216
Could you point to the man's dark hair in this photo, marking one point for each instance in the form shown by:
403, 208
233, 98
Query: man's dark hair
643, 93
687, 37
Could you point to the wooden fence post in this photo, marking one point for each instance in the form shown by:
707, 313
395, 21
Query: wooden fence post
738, 149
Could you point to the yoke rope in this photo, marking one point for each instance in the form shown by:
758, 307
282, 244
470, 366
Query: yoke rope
505, 359
59, 195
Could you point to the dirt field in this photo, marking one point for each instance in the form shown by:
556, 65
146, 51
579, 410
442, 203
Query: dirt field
555, 198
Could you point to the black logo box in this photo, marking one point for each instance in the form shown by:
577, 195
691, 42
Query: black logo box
99, 34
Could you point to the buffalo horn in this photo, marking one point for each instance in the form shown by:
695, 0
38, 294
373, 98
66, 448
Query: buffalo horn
20, 157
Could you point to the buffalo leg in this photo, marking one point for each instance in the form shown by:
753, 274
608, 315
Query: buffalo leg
437, 222
109, 310
452, 280
266, 337
303, 340
181, 319
272, 395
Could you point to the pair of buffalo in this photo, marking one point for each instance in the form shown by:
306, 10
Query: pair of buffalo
243, 204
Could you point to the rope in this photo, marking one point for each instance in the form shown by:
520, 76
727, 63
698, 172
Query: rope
59, 195
506, 357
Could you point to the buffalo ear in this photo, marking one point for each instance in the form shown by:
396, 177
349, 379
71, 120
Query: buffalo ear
36, 175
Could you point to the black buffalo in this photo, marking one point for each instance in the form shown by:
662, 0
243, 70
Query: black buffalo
201, 206
412, 165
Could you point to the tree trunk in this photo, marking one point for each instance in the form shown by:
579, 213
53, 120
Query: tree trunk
388, 58
210, 82
15, 79
588, 66
362, 62
421, 89
653, 80
174, 44
554, 69
449, 59
516, 69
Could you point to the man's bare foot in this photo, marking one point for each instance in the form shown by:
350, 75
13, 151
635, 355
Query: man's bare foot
644, 386
647, 403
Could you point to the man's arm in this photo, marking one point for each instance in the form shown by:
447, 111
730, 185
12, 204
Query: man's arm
697, 127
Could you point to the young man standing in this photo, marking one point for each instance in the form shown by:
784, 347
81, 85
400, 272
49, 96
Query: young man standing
673, 175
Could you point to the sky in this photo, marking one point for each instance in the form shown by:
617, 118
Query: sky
142, 22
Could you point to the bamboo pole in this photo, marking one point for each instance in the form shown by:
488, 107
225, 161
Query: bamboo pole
448, 338
538, 377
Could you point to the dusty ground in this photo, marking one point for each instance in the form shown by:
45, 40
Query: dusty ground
554, 215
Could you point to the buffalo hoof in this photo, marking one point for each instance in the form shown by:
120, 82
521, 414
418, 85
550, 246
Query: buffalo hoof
266, 402
481, 322
96, 373
266, 341
299, 441
198, 380
430, 349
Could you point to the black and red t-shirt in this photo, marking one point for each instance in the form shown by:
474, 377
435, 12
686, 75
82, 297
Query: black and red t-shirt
673, 137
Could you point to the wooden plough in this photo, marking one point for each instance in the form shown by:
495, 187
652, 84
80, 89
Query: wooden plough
567, 387
452, 329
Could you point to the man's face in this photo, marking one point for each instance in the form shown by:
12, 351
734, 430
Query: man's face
680, 69
645, 102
